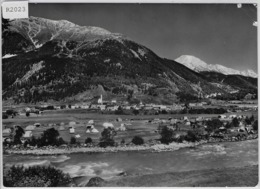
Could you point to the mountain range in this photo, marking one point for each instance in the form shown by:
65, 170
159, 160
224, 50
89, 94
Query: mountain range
198, 65
47, 60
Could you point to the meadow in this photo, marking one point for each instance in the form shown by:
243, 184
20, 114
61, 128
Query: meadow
136, 125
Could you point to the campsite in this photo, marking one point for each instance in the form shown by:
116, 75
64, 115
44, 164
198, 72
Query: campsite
81, 123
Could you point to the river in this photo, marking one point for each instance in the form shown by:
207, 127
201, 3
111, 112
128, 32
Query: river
109, 165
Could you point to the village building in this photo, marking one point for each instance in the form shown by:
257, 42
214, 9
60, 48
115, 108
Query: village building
102, 107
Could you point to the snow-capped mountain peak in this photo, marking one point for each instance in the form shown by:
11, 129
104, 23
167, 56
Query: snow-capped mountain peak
198, 65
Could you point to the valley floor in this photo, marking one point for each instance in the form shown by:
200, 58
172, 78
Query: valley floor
232, 177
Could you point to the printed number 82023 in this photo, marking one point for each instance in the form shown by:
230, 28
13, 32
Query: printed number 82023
15, 9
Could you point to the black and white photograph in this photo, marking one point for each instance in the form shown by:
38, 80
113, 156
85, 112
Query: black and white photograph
130, 95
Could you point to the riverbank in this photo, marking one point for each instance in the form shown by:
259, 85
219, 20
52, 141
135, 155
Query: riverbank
232, 177
52, 150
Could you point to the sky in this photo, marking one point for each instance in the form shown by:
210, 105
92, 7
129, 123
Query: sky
216, 33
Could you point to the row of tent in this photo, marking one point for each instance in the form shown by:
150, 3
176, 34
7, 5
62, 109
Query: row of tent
90, 128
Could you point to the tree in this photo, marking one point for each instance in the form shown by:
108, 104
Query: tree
18, 134
137, 140
73, 140
123, 141
88, 140
49, 137
119, 111
107, 137
166, 134
33, 141
235, 122
247, 120
4, 116
252, 118
136, 112
255, 125
130, 94
27, 114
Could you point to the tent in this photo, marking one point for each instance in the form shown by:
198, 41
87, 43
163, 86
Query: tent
91, 122
185, 118
88, 131
61, 128
108, 125
72, 130
94, 130
119, 119
30, 128
173, 121
187, 123
77, 136
72, 123
7, 139
122, 127
7, 131
27, 134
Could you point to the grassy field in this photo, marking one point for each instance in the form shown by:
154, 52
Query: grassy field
232, 177
139, 123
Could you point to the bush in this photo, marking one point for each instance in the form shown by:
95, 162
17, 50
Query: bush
73, 140
60, 141
166, 134
88, 140
164, 112
4, 116
37, 176
213, 125
137, 140
191, 136
27, 114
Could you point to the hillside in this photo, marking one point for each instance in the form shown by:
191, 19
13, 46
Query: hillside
236, 82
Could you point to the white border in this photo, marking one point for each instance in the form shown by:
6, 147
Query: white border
137, 1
